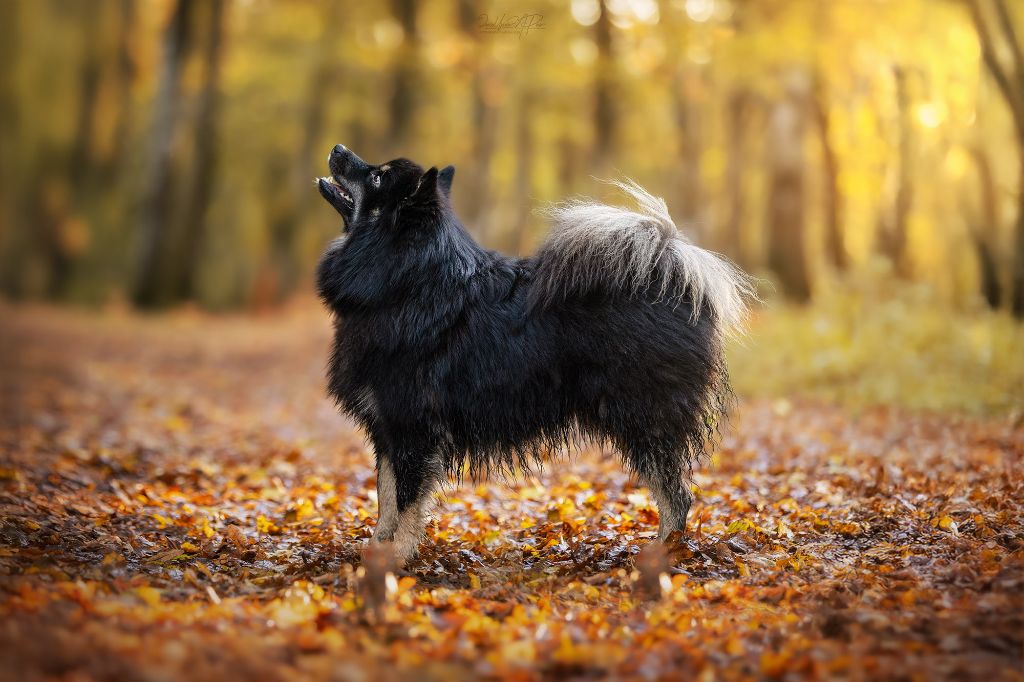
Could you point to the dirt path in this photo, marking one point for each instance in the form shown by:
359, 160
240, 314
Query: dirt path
178, 499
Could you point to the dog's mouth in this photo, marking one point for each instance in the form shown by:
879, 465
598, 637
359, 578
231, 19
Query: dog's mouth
343, 188
337, 195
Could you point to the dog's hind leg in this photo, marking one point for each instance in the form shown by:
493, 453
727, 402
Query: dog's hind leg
672, 494
662, 469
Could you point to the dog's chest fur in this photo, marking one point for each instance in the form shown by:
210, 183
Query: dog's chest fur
404, 361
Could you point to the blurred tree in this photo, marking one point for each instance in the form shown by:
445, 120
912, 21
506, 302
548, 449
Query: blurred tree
474, 193
524, 162
156, 216
604, 96
126, 75
203, 172
1010, 79
981, 225
893, 218
177, 196
55, 227
687, 91
80, 160
821, 101
835, 249
64, 179
287, 178
10, 199
405, 80
741, 104
786, 200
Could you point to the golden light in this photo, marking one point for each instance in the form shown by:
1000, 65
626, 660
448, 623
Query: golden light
700, 10
586, 12
957, 162
929, 114
645, 11
388, 33
583, 51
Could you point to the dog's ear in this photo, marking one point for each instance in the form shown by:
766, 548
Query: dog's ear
444, 180
426, 188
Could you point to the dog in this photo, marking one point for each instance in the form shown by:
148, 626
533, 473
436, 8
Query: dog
456, 358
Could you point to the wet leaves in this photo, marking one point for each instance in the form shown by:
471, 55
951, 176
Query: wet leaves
177, 499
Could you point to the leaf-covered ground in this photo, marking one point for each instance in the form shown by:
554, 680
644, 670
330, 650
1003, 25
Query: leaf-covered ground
179, 501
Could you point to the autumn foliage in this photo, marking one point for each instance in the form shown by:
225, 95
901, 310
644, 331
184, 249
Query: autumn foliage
179, 500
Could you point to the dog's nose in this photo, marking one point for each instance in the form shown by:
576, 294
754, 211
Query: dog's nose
338, 151
338, 158
342, 159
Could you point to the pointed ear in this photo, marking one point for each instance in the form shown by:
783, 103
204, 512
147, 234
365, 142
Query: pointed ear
444, 179
426, 188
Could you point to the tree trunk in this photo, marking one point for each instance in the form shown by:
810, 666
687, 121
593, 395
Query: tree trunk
832, 200
731, 238
127, 71
406, 77
982, 227
893, 224
1010, 80
288, 192
786, 252
688, 122
12, 235
604, 102
904, 190
524, 161
570, 158
151, 288
988, 271
1017, 305
204, 160
80, 161
60, 194
50, 218
474, 197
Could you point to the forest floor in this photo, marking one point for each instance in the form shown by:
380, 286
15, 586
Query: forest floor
178, 500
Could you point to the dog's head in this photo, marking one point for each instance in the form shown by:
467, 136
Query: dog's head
365, 194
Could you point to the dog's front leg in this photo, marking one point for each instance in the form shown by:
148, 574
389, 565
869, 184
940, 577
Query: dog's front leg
387, 502
415, 486
412, 523
406, 479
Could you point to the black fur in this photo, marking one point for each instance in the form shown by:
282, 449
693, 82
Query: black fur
447, 357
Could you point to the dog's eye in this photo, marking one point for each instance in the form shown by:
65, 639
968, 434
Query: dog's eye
375, 179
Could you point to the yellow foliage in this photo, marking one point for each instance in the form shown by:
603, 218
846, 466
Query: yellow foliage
883, 343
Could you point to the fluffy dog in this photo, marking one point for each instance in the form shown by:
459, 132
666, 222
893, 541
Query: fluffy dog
452, 356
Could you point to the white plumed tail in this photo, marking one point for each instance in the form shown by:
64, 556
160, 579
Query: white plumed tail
593, 244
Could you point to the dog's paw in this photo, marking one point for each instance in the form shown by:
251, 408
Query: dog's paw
380, 539
676, 537
405, 553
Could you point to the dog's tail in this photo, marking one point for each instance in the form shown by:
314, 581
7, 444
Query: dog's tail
595, 246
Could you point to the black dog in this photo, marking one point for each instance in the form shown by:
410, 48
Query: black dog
449, 354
